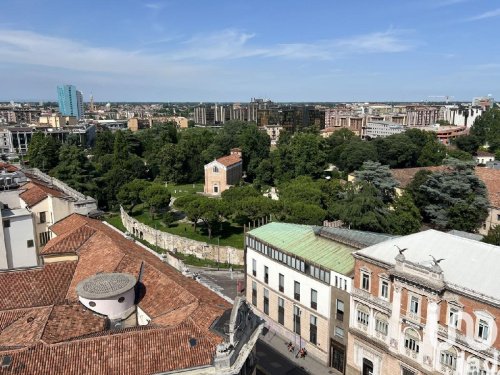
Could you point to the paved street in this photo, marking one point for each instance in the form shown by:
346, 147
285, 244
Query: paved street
224, 282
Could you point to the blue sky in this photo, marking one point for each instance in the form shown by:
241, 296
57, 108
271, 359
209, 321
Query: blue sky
233, 50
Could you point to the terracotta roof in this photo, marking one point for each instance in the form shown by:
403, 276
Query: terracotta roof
491, 178
68, 242
405, 175
8, 167
70, 321
26, 330
36, 192
229, 160
64, 337
35, 287
484, 153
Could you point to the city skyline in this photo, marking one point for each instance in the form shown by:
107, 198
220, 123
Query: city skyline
170, 51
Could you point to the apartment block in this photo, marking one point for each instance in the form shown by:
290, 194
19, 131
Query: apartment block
426, 303
298, 279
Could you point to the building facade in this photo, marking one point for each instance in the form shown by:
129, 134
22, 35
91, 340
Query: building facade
381, 129
414, 313
70, 101
298, 279
223, 173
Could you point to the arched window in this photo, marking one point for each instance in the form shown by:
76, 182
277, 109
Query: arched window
448, 358
476, 366
381, 323
363, 314
412, 340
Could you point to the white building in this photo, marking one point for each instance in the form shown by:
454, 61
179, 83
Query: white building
17, 239
299, 279
382, 129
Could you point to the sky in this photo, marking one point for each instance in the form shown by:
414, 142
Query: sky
235, 50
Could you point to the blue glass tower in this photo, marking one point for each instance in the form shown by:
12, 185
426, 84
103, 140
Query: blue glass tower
70, 101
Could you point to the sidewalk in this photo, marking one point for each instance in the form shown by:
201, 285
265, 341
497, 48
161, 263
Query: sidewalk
275, 359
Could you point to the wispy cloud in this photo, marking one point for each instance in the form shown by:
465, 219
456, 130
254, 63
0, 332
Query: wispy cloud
482, 16
233, 44
155, 6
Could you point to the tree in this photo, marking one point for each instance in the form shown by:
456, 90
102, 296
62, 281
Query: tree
467, 143
308, 154
397, 151
191, 205
237, 193
459, 154
303, 213
355, 154
404, 218
432, 154
380, 177
250, 209
457, 197
264, 174
75, 169
130, 194
212, 212
103, 143
302, 189
362, 208
493, 236
419, 197
156, 197
487, 128
43, 152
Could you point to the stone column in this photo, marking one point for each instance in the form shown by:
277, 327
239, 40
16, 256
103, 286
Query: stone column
430, 347
395, 318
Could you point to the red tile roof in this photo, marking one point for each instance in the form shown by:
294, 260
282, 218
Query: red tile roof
43, 286
64, 337
36, 192
405, 175
491, 178
229, 160
8, 167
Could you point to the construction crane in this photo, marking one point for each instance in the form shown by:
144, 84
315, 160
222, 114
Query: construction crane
446, 97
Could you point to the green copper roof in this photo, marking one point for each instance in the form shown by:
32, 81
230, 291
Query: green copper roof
302, 241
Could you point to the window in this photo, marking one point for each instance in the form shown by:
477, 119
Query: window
44, 238
6, 223
414, 304
216, 189
384, 289
266, 301
407, 371
365, 281
340, 310
296, 319
337, 358
483, 330
30, 243
254, 267
281, 283
449, 358
43, 218
254, 293
266, 274
453, 317
296, 290
339, 331
412, 341
215, 169
475, 367
314, 299
363, 317
381, 325
281, 311
313, 330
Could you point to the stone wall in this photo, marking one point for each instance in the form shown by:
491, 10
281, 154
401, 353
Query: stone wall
171, 242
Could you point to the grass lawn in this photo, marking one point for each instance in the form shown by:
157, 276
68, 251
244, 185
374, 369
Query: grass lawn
181, 190
116, 221
231, 234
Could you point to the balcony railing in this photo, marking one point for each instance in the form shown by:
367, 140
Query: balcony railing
363, 294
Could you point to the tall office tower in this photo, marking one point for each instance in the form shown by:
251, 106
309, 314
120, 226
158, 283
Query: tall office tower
70, 101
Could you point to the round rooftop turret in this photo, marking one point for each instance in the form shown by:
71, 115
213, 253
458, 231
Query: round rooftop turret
105, 285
